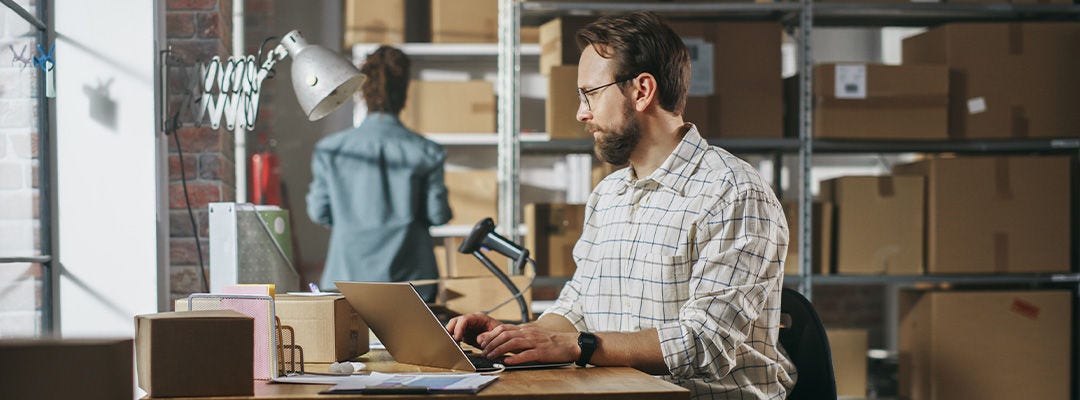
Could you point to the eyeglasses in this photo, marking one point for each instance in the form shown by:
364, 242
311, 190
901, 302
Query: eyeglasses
583, 94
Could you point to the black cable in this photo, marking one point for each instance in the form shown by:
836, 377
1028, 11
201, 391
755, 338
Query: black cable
191, 214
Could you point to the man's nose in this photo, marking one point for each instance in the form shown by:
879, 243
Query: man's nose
583, 113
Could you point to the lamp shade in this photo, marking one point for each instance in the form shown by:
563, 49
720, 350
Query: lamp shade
323, 80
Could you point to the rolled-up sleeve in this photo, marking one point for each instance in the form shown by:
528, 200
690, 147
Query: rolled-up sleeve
738, 266
318, 196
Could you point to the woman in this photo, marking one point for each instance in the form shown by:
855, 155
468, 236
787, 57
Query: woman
379, 187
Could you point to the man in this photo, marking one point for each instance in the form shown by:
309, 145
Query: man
380, 187
680, 262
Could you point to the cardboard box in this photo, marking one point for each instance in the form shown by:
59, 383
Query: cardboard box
374, 21
558, 42
849, 347
327, 328
464, 21
879, 224
473, 196
467, 295
91, 369
996, 214
742, 97
1008, 79
986, 345
822, 237
176, 350
560, 110
429, 109
871, 101
554, 230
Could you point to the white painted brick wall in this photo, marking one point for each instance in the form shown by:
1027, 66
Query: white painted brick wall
11, 176
20, 143
17, 113
18, 206
17, 237
19, 286
16, 82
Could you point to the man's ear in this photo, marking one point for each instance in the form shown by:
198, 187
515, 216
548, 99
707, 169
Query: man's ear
645, 91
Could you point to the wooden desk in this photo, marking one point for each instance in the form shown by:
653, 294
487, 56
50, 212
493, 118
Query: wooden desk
608, 383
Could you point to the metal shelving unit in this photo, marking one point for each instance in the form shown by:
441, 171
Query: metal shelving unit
800, 17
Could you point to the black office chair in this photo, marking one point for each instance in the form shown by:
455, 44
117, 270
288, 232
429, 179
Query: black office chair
803, 336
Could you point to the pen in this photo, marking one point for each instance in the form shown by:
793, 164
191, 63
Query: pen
314, 288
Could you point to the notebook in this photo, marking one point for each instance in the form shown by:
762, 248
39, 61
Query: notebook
408, 329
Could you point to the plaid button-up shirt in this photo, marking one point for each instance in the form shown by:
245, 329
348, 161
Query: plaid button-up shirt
696, 251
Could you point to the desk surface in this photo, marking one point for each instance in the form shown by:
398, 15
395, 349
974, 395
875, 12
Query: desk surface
558, 383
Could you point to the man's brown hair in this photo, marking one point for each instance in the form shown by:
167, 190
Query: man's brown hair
387, 83
641, 42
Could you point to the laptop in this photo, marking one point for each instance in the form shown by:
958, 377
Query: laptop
409, 330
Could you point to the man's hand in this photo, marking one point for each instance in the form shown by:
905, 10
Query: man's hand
467, 327
529, 343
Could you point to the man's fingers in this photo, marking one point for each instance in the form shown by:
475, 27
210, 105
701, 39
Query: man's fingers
506, 345
452, 327
523, 357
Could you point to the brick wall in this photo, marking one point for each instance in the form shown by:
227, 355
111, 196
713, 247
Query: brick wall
20, 283
197, 30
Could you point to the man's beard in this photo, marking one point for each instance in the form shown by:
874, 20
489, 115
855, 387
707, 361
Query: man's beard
615, 145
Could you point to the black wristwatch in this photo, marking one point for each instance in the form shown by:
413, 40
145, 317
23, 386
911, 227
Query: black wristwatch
588, 344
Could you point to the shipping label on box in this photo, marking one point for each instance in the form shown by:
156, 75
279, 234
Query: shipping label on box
1010, 80
879, 224
701, 67
747, 96
325, 327
881, 101
214, 348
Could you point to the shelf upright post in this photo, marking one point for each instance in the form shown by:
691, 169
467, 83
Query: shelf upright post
806, 133
509, 129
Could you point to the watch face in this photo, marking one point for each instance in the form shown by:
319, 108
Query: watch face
586, 340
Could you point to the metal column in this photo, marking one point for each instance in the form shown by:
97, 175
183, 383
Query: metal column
806, 134
509, 129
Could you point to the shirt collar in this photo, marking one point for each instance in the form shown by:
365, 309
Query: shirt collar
676, 169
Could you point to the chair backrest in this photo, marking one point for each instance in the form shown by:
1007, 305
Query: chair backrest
803, 336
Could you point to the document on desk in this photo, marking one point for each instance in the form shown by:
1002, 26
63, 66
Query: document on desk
380, 383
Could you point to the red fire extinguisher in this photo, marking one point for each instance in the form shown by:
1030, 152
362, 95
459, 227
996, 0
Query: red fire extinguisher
265, 175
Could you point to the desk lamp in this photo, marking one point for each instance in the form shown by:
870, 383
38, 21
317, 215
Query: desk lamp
483, 235
322, 81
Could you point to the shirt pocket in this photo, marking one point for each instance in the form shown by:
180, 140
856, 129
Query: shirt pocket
665, 287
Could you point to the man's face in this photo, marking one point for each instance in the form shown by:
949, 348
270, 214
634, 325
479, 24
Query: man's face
609, 115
